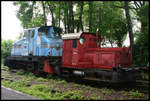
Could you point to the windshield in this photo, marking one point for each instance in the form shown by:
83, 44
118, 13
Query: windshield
53, 32
43, 31
57, 32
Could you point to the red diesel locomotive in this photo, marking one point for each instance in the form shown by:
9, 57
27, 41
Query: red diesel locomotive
82, 55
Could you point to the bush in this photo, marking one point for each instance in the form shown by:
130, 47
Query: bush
20, 72
135, 93
42, 79
140, 55
5, 49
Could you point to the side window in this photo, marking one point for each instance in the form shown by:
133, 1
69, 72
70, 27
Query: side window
97, 42
74, 45
32, 33
28, 35
25, 35
82, 40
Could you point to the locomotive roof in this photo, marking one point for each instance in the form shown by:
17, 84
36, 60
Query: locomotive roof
71, 36
39, 27
74, 35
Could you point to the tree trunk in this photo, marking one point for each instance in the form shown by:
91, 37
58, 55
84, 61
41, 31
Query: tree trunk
65, 21
68, 21
45, 20
59, 15
78, 25
71, 17
126, 6
100, 21
80, 17
90, 15
51, 10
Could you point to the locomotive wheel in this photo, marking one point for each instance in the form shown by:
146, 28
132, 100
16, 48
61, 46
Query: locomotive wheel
58, 70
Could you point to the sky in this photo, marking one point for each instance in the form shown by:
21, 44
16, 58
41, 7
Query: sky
11, 25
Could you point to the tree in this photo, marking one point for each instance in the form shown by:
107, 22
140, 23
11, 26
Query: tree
81, 3
25, 12
51, 10
6, 48
90, 15
71, 17
141, 53
126, 6
44, 14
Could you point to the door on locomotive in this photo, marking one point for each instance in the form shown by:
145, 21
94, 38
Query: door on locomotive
29, 42
74, 52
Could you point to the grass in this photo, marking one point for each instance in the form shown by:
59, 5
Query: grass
4, 67
42, 79
135, 93
40, 90
20, 72
76, 85
43, 91
49, 76
62, 82
107, 91
94, 97
145, 76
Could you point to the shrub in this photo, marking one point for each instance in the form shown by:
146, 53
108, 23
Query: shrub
135, 93
20, 72
107, 91
42, 79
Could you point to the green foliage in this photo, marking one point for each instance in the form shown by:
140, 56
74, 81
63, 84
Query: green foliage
48, 76
63, 82
140, 55
20, 72
73, 95
36, 21
141, 51
25, 12
107, 91
30, 74
135, 93
4, 67
94, 97
6, 49
113, 26
42, 79
145, 76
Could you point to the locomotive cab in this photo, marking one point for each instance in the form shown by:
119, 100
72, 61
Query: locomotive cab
74, 47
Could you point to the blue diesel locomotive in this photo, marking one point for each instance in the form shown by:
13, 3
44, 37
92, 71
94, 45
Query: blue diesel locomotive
38, 44
40, 41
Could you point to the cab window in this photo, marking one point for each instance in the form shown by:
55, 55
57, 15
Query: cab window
82, 40
32, 33
97, 42
74, 45
26, 35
